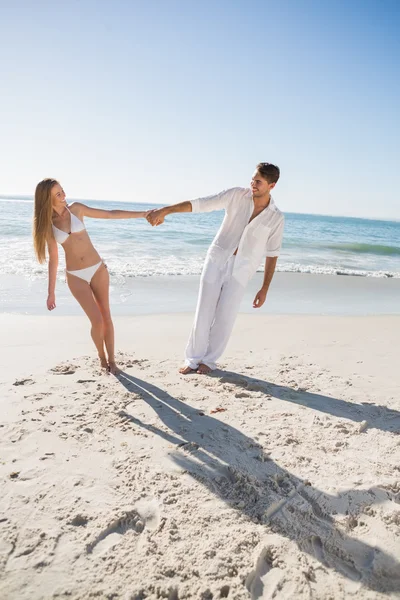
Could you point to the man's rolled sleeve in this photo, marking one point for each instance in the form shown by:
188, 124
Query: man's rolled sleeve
210, 203
275, 239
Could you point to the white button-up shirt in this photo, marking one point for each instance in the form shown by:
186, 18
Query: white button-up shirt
253, 240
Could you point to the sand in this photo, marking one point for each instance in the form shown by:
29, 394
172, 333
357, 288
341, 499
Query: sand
290, 293
276, 477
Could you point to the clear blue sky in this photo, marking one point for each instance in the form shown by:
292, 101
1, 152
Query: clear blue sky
165, 100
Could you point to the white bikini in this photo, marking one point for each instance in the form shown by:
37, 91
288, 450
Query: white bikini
62, 236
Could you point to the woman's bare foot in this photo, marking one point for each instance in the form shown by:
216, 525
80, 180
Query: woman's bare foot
203, 369
186, 370
112, 367
103, 362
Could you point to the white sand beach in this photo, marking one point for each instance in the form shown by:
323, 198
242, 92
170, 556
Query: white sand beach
276, 477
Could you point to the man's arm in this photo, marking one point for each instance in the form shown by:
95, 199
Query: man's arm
209, 203
270, 264
273, 248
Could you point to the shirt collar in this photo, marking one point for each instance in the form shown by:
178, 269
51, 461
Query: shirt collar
272, 204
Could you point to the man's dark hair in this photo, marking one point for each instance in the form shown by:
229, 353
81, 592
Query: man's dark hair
269, 171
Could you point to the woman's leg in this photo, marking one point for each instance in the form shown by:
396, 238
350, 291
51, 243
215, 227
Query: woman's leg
100, 285
81, 290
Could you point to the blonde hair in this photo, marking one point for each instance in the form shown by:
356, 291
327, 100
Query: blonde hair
42, 230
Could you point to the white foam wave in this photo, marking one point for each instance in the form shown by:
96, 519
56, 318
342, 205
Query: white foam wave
334, 270
120, 271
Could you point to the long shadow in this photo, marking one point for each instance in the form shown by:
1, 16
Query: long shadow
231, 465
378, 417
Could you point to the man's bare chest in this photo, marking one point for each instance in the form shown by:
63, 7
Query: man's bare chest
256, 213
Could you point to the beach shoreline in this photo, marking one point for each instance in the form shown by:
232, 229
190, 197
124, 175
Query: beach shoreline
290, 293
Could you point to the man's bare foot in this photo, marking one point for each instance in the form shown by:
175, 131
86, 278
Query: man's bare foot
103, 362
186, 370
112, 367
203, 369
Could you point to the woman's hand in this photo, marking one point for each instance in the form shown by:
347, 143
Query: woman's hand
51, 301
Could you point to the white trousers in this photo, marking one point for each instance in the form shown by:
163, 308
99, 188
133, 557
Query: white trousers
218, 304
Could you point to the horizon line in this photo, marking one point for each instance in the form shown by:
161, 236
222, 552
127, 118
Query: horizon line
29, 198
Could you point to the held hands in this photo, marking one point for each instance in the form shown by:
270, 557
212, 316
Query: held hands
260, 298
51, 301
155, 217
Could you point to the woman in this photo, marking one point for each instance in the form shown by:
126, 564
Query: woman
87, 275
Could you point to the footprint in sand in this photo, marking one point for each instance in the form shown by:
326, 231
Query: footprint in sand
114, 533
263, 565
64, 369
79, 520
35, 397
266, 565
334, 559
129, 363
26, 381
318, 548
146, 516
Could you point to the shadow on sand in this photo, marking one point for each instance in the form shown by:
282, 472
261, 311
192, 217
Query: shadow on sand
231, 465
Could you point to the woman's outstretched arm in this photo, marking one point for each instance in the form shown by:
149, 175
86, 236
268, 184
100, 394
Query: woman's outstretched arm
100, 213
53, 266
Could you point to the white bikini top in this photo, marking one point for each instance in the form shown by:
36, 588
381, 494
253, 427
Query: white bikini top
76, 226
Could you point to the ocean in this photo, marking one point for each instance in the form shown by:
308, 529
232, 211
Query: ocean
132, 249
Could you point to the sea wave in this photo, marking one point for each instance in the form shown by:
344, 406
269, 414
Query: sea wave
359, 248
123, 270
17, 200
333, 270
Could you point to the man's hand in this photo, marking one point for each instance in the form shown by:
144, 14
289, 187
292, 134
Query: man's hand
51, 301
156, 217
260, 298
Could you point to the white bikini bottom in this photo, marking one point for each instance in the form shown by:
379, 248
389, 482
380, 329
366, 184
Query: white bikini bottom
88, 273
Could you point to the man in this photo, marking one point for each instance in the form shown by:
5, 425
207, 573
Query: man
251, 230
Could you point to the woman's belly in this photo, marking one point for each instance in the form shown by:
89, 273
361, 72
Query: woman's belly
80, 252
